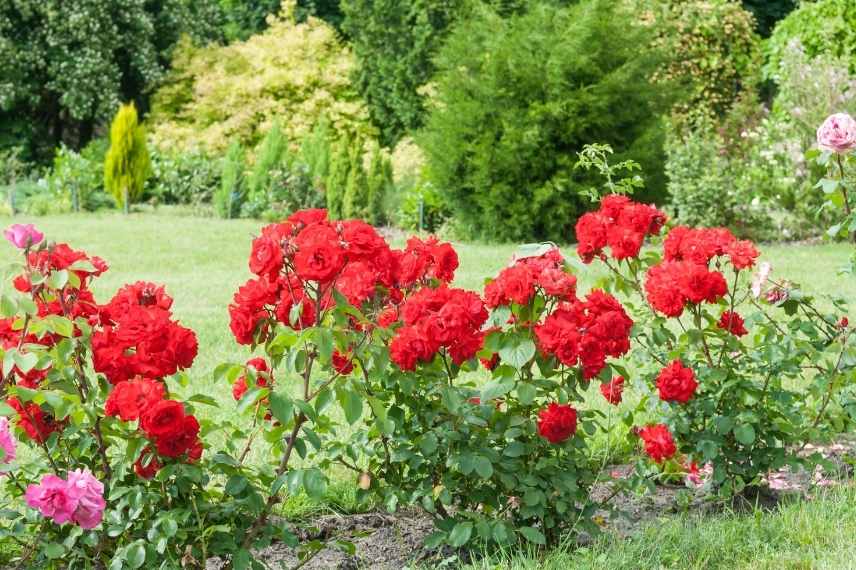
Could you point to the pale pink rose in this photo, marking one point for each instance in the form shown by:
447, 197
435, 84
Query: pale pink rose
52, 499
7, 441
23, 235
760, 278
89, 493
837, 133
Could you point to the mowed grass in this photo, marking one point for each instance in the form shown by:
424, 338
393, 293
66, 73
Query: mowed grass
202, 262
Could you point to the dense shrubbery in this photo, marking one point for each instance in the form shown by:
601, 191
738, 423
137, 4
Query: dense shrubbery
292, 72
512, 107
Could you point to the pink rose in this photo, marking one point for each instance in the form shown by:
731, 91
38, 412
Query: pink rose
52, 499
89, 492
23, 235
837, 133
7, 441
79, 499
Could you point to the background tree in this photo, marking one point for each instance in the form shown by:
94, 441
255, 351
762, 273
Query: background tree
517, 98
768, 12
67, 65
356, 199
126, 165
337, 180
394, 42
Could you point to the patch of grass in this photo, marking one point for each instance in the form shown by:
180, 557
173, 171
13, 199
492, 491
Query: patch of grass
812, 535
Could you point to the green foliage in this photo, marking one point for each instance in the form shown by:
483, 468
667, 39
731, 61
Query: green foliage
244, 18
337, 179
768, 12
356, 197
713, 50
315, 152
421, 207
232, 191
127, 164
394, 42
380, 184
517, 98
293, 72
77, 179
822, 27
272, 152
68, 65
183, 177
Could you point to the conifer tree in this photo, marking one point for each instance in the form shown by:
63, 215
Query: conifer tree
228, 199
340, 166
356, 200
127, 163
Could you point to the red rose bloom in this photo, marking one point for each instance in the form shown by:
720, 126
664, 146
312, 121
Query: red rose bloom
163, 419
733, 323
557, 422
263, 377
409, 347
266, 257
319, 255
659, 444
591, 231
147, 465
131, 398
342, 363
33, 420
676, 383
742, 254
613, 390
180, 441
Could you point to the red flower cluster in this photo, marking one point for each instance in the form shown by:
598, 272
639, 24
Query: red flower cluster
130, 399
520, 282
586, 332
139, 338
733, 323
438, 318
700, 245
264, 377
670, 285
557, 422
676, 383
620, 224
36, 423
299, 262
613, 390
659, 444
173, 432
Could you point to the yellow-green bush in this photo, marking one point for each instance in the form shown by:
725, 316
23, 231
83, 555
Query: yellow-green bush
294, 72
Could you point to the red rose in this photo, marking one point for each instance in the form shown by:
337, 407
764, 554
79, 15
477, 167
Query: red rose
409, 347
131, 398
342, 363
147, 465
662, 288
591, 231
733, 323
178, 442
742, 254
308, 217
676, 383
163, 419
557, 422
33, 420
445, 262
266, 257
659, 444
613, 390
263, 377
319, 255
624, 242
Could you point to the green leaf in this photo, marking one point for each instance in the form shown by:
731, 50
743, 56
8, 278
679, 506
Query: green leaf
483, 466
461, 534
235, 485
53, 550
26, 361
252, 396
745, 434
496, 388
526, 393
242, 560
324, 340
532, 535
136, 555
352, 405
517, 351
281, 407
315, 483
203, 399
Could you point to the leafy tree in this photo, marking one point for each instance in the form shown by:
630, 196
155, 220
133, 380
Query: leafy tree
379, 183
315, 152
340, 168
244, 18
67, 65
768, 12
126, 165
825, 27
517, 98
356, 198
273, 151
295, 72
227, 202
395, 41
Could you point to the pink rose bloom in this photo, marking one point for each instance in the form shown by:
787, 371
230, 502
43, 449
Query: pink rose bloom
52, 499
760, 278
89, 493
7, 441
23, 235
837, 133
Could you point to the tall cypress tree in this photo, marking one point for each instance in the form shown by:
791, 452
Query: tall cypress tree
127, 163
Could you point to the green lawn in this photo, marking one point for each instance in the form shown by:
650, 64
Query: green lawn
202, 262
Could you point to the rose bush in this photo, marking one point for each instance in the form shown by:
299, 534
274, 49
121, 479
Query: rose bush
746, 368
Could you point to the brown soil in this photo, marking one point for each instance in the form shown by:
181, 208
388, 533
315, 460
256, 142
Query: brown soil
392, 542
